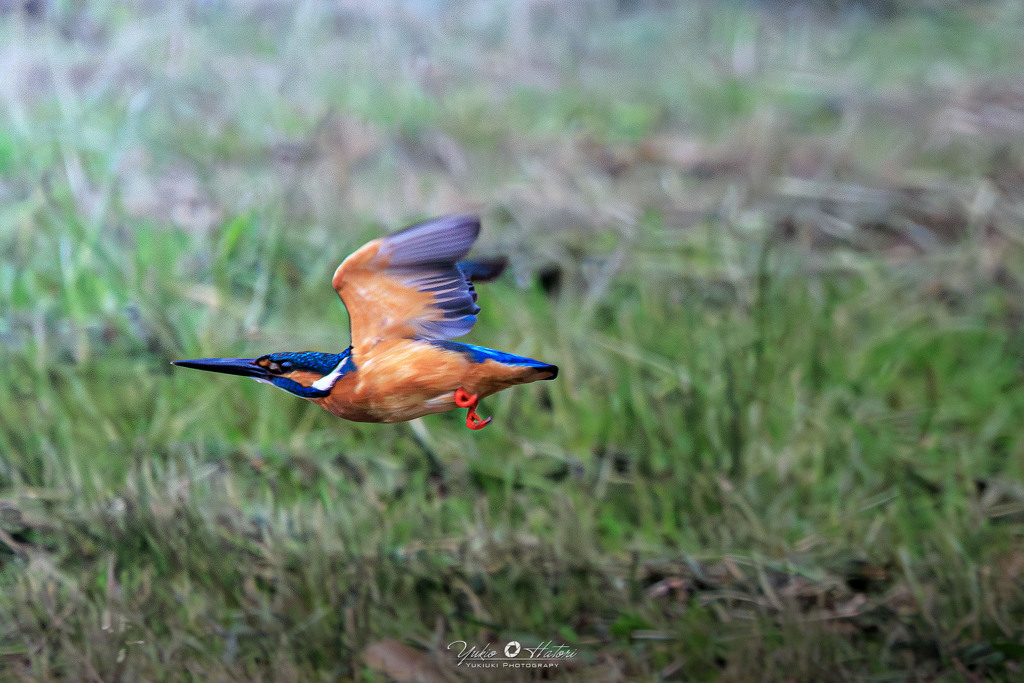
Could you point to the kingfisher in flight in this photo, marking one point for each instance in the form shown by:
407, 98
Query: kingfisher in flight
407, 296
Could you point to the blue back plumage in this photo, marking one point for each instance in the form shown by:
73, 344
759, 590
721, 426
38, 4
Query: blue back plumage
481, 354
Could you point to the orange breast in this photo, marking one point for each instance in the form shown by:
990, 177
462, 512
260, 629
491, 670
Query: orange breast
403, 379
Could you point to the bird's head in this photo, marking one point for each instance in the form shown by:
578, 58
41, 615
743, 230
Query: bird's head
308, 374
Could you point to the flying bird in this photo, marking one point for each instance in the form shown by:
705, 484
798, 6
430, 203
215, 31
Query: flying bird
408, 295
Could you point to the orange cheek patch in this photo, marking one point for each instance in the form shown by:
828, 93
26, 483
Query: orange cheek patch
303, 377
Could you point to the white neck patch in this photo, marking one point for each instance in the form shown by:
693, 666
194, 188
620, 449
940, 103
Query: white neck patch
327, 381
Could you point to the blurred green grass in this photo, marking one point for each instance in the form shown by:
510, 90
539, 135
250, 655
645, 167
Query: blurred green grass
776, 254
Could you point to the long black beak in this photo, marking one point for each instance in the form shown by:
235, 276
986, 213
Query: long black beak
246, 367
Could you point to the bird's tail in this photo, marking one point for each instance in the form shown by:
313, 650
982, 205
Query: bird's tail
483, 270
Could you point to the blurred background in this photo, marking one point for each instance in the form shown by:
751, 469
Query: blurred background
775, 248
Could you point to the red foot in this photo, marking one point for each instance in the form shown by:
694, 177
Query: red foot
463, 399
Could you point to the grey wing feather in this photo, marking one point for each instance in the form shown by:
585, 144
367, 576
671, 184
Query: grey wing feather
441, 241
424, 256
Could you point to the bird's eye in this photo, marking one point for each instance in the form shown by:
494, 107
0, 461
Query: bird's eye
286, 365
